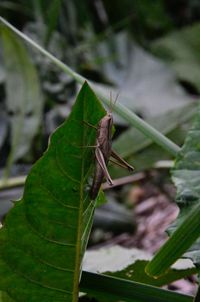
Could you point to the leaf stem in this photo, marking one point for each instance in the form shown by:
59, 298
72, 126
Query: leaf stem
128, 115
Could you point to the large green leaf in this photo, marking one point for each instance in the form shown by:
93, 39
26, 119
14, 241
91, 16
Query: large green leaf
141, 79
45, 235
24, 101
186, 229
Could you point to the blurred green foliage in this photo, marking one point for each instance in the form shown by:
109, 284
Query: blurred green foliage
99, 39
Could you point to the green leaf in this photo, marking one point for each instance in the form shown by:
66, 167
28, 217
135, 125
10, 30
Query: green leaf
136, 272
129, 264
181, 49
23, 95
186, 230
115, 289
45, 235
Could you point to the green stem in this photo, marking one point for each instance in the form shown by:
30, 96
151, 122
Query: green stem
128, 115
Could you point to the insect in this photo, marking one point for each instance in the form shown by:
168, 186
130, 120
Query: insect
103, 152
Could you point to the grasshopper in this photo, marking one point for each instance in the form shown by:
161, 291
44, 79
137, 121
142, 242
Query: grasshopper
103, 152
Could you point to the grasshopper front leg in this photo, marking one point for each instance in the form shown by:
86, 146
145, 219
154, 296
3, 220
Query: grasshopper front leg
102, 164
100, 172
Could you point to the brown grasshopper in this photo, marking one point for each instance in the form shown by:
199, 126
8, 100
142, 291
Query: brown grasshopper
103, 151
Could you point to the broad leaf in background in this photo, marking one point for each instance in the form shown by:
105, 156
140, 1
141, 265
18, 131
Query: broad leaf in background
45, 235
23, 96
145, 83
186, 176
130, 264
181, 49
142, 153
186, 229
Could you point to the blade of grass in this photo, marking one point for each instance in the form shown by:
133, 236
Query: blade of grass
128, 115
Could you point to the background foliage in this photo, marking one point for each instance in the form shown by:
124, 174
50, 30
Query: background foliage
148, 51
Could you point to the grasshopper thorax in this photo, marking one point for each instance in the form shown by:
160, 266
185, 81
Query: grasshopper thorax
104, 133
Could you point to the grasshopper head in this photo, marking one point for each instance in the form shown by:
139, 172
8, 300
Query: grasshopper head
106, 121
